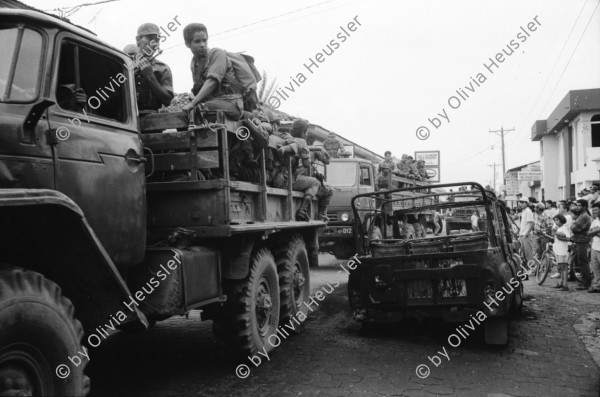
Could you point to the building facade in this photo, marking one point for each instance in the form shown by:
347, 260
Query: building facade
570, 145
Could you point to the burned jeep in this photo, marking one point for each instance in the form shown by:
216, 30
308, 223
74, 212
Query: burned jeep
462, 274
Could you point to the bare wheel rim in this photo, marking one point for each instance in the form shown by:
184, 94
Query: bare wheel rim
22, 370
264, 305
298, 282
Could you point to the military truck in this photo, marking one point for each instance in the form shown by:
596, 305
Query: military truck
473, 278
348, 177
109, 221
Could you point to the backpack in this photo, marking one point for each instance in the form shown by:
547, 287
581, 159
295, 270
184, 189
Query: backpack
247, 76
244, 69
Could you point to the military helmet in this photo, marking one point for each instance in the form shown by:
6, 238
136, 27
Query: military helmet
130, 49
148, 28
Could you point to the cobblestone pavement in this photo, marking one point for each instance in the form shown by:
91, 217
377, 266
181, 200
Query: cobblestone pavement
546, 356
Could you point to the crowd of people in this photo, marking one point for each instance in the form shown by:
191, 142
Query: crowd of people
574, 225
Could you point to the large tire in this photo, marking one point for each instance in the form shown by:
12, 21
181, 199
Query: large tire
38, 333
294, 279
251, 314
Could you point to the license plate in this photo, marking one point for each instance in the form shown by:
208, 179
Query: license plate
346, 230
452, 288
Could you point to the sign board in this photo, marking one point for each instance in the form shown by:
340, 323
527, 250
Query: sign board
530, 176
432, 163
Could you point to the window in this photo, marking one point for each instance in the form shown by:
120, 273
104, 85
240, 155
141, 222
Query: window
20, 66
365, 176
102, 79
341, 174
595, 122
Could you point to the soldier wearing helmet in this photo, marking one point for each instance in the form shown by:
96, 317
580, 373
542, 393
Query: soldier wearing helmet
131, 50
153, 78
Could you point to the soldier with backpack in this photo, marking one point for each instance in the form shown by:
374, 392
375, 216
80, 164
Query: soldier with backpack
222, 80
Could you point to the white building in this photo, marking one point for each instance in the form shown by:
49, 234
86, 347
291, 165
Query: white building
570, 145
516, 188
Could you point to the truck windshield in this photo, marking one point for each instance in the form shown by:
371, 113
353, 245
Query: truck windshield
22, 64
341, 174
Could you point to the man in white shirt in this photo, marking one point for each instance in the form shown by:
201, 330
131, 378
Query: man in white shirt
526, 229
595, 253
551, 210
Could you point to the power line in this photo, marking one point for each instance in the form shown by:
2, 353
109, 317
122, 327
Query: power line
573, 53
558, 57
546, 59
261, 21
568, 62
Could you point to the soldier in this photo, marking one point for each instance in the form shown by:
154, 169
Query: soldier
131, 50
388, 162
382, 181
422, 171
302, 182
333, 146
404, 167
153, 78
215, 85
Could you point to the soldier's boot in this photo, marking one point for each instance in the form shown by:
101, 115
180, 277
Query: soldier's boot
325, 193
323, 214
303, 213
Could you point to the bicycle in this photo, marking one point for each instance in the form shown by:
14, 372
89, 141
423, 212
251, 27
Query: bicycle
545, 264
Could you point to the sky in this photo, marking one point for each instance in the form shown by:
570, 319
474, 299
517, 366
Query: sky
402, 65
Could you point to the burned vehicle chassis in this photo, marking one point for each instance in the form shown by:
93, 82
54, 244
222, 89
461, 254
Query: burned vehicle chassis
456, 277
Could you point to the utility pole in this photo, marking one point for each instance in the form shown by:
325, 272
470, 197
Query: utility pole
501, 133
494, 165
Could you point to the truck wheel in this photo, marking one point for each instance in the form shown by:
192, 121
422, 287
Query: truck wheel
37, 336
251, 314
294, 279
343, 250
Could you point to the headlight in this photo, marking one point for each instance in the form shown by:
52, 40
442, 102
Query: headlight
345, 217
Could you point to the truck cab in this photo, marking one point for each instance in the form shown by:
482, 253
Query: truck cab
348, 177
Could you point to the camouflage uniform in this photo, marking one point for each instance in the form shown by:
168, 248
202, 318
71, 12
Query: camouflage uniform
422, 170
333, 146
243, 153
382, 179
404, 167
146, 99
389, 164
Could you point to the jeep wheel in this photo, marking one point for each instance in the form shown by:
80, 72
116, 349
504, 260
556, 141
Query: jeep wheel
37, 336
251, 314
294, 279
343, 250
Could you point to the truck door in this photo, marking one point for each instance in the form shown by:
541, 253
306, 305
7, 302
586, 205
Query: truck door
366, 185
97, 150
25, 156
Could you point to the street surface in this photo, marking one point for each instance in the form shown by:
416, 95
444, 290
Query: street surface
548, 355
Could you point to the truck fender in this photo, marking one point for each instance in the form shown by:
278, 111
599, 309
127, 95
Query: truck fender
45, 231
